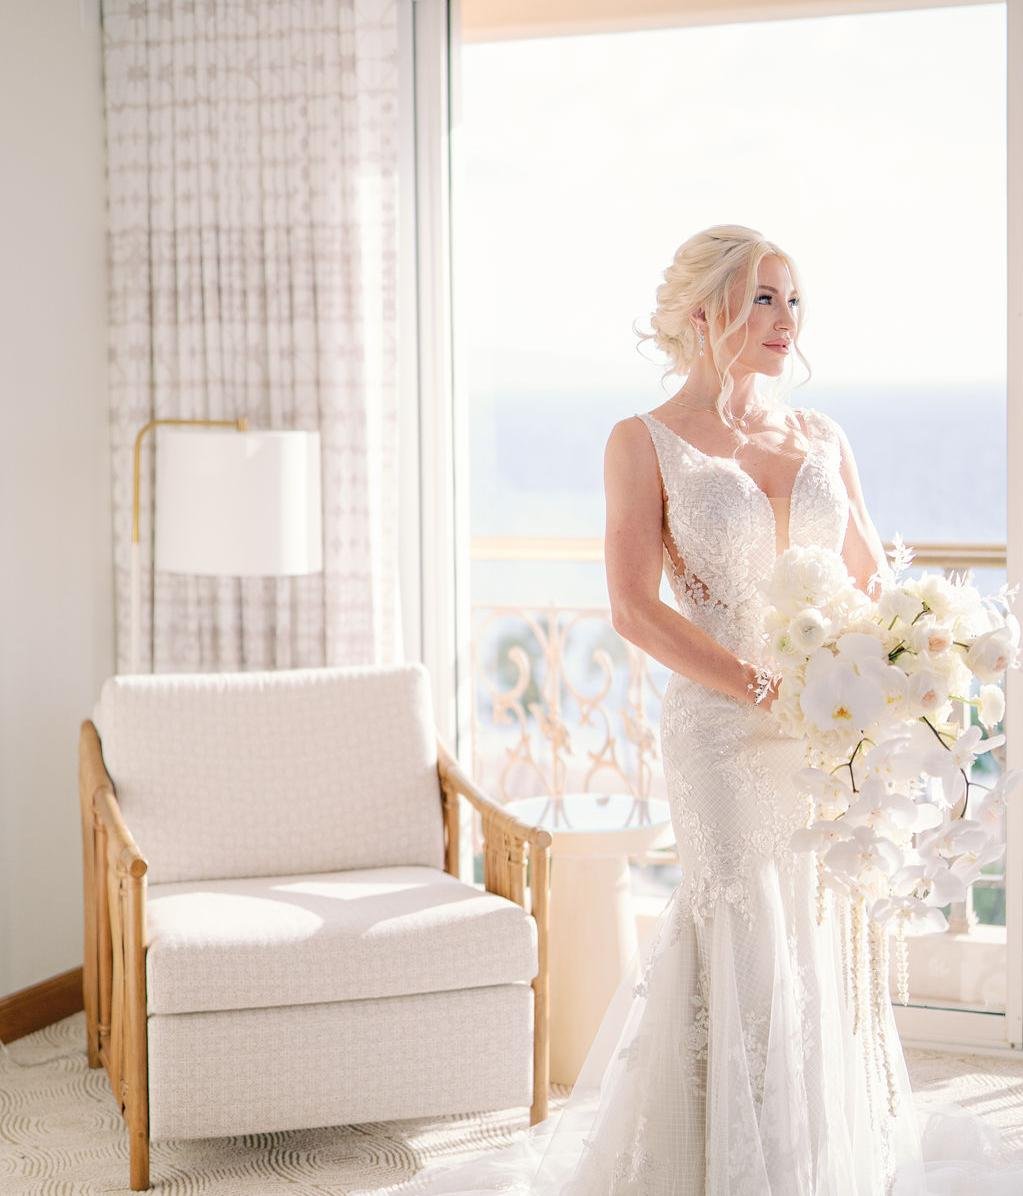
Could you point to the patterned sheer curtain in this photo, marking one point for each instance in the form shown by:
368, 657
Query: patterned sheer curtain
252, 195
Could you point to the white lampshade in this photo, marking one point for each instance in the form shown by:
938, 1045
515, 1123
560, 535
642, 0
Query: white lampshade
238, 504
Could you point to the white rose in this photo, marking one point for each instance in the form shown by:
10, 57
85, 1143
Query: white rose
808, 629
928, 690
991, 653
929, 636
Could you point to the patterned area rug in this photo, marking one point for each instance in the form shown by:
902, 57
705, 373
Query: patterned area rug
61, 1133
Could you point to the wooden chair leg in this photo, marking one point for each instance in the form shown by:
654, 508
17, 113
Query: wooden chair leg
139, 1161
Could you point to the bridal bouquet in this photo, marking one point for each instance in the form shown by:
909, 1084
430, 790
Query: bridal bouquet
871, 684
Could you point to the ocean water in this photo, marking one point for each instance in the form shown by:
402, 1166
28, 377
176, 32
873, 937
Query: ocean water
931, 462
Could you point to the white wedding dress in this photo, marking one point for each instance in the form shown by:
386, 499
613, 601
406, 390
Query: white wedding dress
728, 1062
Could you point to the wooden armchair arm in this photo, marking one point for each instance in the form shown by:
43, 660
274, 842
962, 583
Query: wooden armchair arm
454, 780
114, 962
506, 839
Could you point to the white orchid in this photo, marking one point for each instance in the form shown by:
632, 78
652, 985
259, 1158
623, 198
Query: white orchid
870, 684
881, 810
820, 835
916, 916
991, 706
839, 699
896, 759
865, 860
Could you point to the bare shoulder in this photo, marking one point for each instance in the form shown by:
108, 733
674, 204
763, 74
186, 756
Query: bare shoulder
629, 444
629, 430
632, 477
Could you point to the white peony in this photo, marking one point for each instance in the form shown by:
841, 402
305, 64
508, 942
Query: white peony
899, 603
805, 576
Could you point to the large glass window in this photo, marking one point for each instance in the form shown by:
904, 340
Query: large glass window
872, 147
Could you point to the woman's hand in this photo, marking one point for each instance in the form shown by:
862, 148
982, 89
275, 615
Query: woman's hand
768, 699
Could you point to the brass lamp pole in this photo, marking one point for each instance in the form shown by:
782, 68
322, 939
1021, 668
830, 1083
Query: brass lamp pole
242, 425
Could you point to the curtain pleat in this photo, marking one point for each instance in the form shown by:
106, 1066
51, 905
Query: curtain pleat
252, 207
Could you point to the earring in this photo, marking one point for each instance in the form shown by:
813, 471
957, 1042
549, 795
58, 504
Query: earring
699, 333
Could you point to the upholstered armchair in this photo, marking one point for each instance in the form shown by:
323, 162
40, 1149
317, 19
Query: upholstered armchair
275, 934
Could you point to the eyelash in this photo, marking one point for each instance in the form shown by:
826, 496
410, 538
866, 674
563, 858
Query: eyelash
759, 297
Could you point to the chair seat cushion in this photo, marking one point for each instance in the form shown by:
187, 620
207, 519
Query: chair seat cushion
329, 936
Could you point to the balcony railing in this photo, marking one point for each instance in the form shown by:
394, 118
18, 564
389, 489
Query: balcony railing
562, 703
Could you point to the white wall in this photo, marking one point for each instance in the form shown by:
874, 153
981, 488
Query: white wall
56, 600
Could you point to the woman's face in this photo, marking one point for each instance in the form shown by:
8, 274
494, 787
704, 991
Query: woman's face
774, 317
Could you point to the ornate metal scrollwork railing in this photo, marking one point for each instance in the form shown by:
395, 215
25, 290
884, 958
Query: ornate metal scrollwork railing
561, 702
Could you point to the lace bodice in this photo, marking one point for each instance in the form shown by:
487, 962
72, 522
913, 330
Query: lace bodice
722, 525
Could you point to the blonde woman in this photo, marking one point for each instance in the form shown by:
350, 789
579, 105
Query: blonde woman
728, 1062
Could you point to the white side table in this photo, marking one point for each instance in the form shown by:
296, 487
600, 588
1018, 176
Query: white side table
592, 924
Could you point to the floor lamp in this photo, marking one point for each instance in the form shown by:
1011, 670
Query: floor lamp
229, 502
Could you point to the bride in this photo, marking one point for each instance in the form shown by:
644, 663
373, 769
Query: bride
729, 1061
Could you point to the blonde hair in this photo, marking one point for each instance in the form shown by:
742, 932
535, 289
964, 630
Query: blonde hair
701, 275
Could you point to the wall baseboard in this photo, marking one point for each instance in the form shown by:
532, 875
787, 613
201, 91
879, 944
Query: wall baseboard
40, 1005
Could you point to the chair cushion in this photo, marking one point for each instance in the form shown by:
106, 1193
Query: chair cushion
334, 936
225, 775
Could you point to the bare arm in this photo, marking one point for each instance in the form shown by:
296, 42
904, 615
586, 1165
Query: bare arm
633, 557
863, 550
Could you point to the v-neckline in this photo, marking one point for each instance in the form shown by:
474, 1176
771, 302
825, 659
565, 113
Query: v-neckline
750, 479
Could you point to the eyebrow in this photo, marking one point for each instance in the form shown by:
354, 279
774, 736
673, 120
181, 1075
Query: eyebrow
765, 287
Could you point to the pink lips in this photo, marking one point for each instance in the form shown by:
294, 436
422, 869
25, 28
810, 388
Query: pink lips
778, 346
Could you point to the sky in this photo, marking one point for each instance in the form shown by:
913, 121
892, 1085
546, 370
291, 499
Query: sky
870, 147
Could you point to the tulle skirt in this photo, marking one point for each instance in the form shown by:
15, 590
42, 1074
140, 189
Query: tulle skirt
745, 1052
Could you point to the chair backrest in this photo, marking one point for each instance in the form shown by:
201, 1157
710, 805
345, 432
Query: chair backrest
224, 775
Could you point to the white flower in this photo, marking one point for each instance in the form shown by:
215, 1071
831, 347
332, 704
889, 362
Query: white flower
991, 653
928, 691
808, 629
939, 594
820, 836
831, 791
893, 683
805, 576
887, 813
916, 916
783, 645
838, 698
865, 858
897, 758
949, 841
929, 636
858, 646
899, 603
991, 813
992, 705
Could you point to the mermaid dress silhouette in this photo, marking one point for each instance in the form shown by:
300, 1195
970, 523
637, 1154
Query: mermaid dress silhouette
739, 1057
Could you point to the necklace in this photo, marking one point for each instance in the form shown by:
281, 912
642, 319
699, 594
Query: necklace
743, 421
